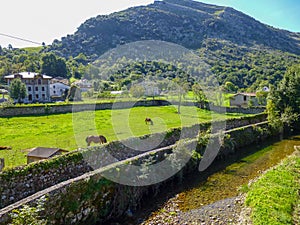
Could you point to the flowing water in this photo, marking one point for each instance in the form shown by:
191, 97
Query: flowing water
226, 183
221, 181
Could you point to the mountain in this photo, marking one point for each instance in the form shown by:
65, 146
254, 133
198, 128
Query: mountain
184, 22
236, 47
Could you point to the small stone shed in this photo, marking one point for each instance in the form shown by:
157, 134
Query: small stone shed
243, 99
40, 153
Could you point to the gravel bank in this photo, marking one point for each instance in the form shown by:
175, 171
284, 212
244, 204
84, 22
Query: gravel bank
224, 212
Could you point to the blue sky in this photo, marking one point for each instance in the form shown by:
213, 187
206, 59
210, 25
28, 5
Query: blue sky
284, 14
44, 21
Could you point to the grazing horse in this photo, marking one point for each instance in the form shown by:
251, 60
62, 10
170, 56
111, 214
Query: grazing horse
148, 120
96, 139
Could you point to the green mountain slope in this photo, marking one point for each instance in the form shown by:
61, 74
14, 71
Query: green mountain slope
183, 22
235, 47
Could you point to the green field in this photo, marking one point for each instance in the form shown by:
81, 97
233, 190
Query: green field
68, 131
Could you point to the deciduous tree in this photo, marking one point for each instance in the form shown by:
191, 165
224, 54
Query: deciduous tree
18, 90
284, 102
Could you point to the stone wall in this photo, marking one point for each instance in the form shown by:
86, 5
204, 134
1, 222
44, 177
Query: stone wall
18, 183
69, 108
252, 110
91, 198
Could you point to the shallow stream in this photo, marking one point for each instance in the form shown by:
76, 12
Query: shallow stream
221, 181
226, 183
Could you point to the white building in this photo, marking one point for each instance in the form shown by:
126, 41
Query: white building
58, 89
37, 85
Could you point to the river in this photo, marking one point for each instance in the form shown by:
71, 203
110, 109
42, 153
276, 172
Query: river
221, 182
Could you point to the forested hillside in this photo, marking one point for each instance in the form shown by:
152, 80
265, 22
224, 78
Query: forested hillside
236, 47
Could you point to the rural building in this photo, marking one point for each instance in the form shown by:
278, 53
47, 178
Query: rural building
151, 89
60, 80
40, 153
37, 85
244, 100
58, 89
84, 85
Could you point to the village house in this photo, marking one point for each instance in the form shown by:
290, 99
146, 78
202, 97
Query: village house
40, 153
60, 80
58, 89
84, 85
37, 85
151, 89
244, 100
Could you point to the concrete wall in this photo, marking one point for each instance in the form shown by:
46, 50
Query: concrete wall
91, 198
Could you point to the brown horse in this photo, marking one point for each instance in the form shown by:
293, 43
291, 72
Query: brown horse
96, 139
5, 147
148, 120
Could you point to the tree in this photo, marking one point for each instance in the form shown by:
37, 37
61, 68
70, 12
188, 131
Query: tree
180, 87
10, 47
54, 66
199, 95
18, 90
283, 105
287, 93
289, 90
230, 87
262, 97
74, 94
137, 91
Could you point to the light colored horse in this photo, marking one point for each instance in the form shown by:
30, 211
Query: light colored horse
96, 139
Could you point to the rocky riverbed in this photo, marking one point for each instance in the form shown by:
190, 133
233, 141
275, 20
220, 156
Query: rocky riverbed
227, 211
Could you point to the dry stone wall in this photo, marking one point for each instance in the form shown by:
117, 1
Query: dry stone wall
69, 108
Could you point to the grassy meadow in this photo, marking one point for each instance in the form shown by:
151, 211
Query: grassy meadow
68, 131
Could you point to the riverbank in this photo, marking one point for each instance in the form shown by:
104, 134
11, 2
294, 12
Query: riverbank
208, 204
275, 197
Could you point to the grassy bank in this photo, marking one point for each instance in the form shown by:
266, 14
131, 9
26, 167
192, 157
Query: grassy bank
274, 198
68, 131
